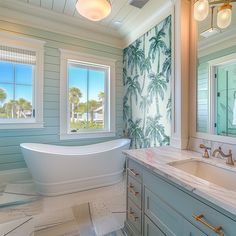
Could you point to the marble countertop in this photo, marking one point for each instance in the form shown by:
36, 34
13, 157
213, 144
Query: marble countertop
157, 160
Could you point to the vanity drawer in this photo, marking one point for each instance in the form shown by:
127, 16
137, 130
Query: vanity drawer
130, 230
134, 170
167, 219
187, 205
151, 229
134, 190
134, 216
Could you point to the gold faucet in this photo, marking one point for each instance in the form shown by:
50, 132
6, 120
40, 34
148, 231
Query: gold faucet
229, 156
205, 154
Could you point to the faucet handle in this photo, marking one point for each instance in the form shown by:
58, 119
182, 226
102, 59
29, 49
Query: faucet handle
205, 154
204, 146
230, 159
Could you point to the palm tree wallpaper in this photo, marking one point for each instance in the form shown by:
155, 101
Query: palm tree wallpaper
146, 79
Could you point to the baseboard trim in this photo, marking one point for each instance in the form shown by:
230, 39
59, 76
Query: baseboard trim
13, 175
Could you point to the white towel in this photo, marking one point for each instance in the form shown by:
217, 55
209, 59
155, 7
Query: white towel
234, 113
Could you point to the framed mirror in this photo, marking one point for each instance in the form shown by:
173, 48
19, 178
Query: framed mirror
216, 69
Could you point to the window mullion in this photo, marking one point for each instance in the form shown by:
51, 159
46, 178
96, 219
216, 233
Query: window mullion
88, 74
14, 88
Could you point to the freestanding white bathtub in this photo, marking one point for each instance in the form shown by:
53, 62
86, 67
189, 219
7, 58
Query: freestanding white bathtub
65, 169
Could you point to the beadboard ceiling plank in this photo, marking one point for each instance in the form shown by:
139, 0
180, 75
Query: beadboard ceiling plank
70, 7
59, 5
48, 4
35, 2
117, 6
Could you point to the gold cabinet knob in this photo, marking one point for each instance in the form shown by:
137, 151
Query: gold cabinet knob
132, 215
131, 190
133, 172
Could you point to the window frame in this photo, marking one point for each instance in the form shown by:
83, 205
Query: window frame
38, 47
65, 134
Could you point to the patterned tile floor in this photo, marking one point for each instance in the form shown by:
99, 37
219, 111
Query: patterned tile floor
107, 207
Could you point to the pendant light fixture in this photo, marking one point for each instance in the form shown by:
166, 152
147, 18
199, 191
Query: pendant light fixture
94, 10
201, 10
224, 15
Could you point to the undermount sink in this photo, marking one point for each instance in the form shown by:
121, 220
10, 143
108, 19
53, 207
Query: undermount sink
214, 174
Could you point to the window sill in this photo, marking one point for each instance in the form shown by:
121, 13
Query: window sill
21, 125
87, 135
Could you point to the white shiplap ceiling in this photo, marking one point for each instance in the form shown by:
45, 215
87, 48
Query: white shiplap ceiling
121, 10
61, 15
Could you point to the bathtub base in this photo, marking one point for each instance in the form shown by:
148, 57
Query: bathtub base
66, 187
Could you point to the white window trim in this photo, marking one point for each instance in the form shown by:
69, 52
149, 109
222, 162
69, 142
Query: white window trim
212, 109
76, 56
12, 40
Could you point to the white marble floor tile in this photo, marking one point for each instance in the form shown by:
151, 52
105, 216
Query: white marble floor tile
103, 202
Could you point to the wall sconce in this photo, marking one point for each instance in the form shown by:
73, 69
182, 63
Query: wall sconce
224, 14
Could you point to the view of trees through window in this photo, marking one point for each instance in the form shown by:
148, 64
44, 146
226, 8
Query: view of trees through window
86, 96
16, 90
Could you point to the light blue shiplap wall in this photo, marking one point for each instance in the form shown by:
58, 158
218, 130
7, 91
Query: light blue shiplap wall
10, 154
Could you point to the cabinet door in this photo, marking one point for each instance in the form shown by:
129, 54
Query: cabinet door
168, 220
191, 230
150, 229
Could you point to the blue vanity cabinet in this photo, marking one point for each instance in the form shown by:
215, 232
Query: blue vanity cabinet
189, 207
150, 229
163, 208
134, 196
134, 189
191, 230
164, 217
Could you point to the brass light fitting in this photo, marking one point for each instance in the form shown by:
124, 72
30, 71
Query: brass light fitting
224, 13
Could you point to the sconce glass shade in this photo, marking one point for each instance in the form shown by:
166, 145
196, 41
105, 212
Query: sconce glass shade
201, 10
224, 16
94, 10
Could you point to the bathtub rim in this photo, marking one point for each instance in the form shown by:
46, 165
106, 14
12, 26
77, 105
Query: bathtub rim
26, 146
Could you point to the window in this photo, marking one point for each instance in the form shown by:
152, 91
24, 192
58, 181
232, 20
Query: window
87, 96
20, 83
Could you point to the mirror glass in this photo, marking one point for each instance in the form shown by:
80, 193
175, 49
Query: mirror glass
216, 75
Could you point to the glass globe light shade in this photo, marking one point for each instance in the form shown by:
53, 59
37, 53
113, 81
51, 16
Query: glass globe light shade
224, 16
94, 10
201, 10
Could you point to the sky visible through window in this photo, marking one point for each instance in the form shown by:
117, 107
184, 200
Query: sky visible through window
86, 93
22, 77
78, 78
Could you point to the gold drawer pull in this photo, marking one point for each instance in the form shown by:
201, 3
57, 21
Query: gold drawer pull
217, 230
131, 190
133, 172
132, 215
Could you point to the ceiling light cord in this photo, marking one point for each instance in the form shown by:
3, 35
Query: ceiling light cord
212, 16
